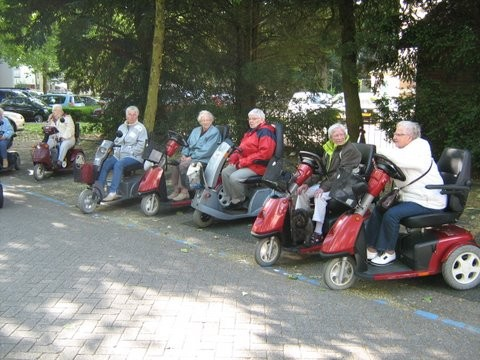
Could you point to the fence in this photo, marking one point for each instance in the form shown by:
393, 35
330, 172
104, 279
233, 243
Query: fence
374, 135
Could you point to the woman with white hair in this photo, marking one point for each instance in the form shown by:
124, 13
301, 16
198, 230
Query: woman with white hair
66, 133
202, 142
339, 154
413, 156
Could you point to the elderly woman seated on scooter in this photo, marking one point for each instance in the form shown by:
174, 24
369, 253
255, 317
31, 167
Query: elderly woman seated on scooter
6, 133
65, 138
249, 159
202, 142
339, 154
127, 152
414, 157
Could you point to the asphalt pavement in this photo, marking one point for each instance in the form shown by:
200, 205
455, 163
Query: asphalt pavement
118, 285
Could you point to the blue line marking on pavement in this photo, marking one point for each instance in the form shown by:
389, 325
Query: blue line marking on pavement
427, 315
454, 323
40, 196
421, 313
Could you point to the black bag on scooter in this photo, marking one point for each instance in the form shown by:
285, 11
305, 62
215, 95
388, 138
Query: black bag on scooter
347, 188
388, 200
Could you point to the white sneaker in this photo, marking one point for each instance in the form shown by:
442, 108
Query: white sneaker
111, 196
371, 254
384, 259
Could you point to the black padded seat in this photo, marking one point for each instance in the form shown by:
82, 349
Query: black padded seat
454, 166
366, 163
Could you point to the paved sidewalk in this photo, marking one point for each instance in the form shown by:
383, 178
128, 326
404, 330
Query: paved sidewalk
100, 287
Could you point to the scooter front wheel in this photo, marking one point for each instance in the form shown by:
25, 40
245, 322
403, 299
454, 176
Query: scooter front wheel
39, 171
202, 220
87, 201
150, 204
267, 251
462, 269
339, 273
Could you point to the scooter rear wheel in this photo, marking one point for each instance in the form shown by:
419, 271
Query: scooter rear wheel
17, 162
201, 219
339, 273
267, 251
462, 269
39, 172
79, 159
87, 201
150, 204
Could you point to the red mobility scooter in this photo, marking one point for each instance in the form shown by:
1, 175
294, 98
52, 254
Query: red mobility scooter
153, 185
428, 245
45, 159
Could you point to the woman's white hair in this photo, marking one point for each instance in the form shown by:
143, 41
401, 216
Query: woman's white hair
205, 114
334, 127
411, 127
257, 113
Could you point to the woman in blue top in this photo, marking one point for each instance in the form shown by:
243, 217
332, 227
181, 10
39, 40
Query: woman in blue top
6, 132
202, 142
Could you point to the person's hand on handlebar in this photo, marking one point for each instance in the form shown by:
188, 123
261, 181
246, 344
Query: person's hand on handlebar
302, 188
318, 193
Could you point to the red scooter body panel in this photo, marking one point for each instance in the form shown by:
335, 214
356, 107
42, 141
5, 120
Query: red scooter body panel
171, 147
72, 154
150, 180
377, 182
271, 218
341, 238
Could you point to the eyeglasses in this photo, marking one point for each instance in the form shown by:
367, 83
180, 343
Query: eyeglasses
398, 134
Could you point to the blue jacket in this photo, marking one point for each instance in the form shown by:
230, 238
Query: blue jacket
201, 147
6, 127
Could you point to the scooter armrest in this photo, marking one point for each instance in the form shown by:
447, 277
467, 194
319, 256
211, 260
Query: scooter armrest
449, 189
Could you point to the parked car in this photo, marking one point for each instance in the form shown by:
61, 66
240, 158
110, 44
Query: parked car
63, 99
17, 120
90, 101
32, 109
367, 104
10, 92
306, 101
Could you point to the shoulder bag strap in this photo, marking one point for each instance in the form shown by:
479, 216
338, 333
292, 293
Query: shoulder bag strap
425, 173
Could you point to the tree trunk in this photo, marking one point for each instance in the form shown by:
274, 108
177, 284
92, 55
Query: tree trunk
247, 32
156, 66
349, 68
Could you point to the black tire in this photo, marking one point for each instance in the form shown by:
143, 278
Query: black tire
150, 204
79, 160
268, 251
17, 162
87, 201
462, 269
202, 220
39, 172
339, 273
38, 118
